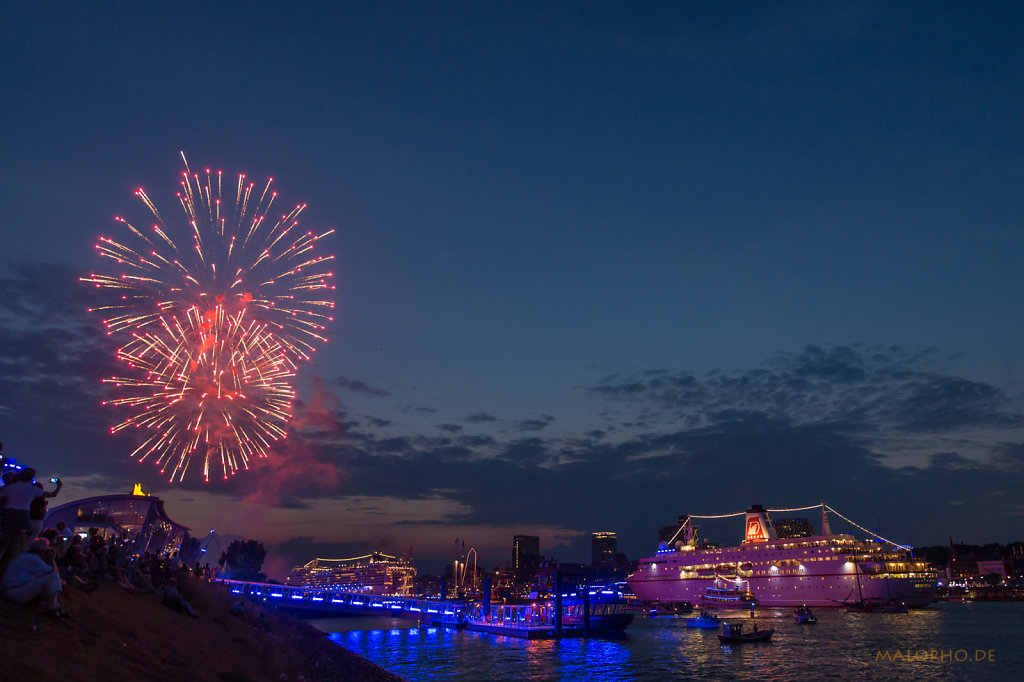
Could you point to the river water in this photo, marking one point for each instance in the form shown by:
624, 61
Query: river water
974, 641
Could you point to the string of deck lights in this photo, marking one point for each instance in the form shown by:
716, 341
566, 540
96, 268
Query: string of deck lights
717, 516
872, 534
773, 511
796, 509
813, 506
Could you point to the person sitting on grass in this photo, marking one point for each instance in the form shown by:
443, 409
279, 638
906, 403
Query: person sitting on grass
74, 560
137, 577
34, 575
261, 623
74, 567
173, 599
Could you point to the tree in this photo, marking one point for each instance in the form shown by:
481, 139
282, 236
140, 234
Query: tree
189, 551
243, 560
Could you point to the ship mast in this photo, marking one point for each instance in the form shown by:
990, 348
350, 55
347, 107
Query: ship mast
688, 531
856, 573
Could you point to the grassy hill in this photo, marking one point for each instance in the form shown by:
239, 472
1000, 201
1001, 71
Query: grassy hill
114, 635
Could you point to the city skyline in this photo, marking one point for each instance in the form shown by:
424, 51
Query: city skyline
597, 266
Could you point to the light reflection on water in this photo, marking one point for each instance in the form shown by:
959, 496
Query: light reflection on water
841, 645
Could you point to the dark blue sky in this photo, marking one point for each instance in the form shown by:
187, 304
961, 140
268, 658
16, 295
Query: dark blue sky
813, 213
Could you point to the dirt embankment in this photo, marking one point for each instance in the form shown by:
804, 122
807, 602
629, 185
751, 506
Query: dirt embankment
113, 635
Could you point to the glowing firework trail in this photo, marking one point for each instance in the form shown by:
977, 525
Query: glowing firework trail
241, 261
217, 386
216, 322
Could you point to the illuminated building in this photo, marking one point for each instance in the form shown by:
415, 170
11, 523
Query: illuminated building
793, 528
525, 554
603, 548
141, 518
375, 573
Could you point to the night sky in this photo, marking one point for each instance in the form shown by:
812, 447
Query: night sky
598, 265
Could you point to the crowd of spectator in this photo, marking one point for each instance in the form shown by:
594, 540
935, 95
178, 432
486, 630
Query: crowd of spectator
39, 564
28, 561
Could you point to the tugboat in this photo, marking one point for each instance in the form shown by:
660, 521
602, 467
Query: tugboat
802, 615
705, 621
732, 633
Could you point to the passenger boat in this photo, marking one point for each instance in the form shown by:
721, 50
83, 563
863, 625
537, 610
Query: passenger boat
731, 597
705, 621
813, 570
608, 617
606, 610
802, 615
376, 573
732, 633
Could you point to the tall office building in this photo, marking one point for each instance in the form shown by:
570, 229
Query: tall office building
525, 554
793, 528
603, 548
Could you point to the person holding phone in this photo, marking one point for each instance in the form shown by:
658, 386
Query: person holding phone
37, 508
17, 498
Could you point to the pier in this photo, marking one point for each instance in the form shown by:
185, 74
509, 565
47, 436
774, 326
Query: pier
538, 620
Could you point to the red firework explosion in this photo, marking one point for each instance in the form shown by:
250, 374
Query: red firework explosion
214, 323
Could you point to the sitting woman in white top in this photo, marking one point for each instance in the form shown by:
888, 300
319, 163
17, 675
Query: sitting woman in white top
34, 574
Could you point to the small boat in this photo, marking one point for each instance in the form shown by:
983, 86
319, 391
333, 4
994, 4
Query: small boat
876, 607
732, 633
705, 621
802, 615
670, 608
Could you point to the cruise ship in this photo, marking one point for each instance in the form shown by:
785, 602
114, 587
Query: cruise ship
816, 570
376, 573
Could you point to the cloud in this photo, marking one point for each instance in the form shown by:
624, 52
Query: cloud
298, 467
949, 460
534, 424
480, 418
476, 441
887, 387
360, 387
52, 360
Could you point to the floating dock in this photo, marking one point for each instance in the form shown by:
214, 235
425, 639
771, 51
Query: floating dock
525, 621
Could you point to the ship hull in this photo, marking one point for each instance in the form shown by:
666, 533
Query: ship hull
793, 591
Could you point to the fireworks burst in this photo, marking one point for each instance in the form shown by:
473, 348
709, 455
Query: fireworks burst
215, 324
